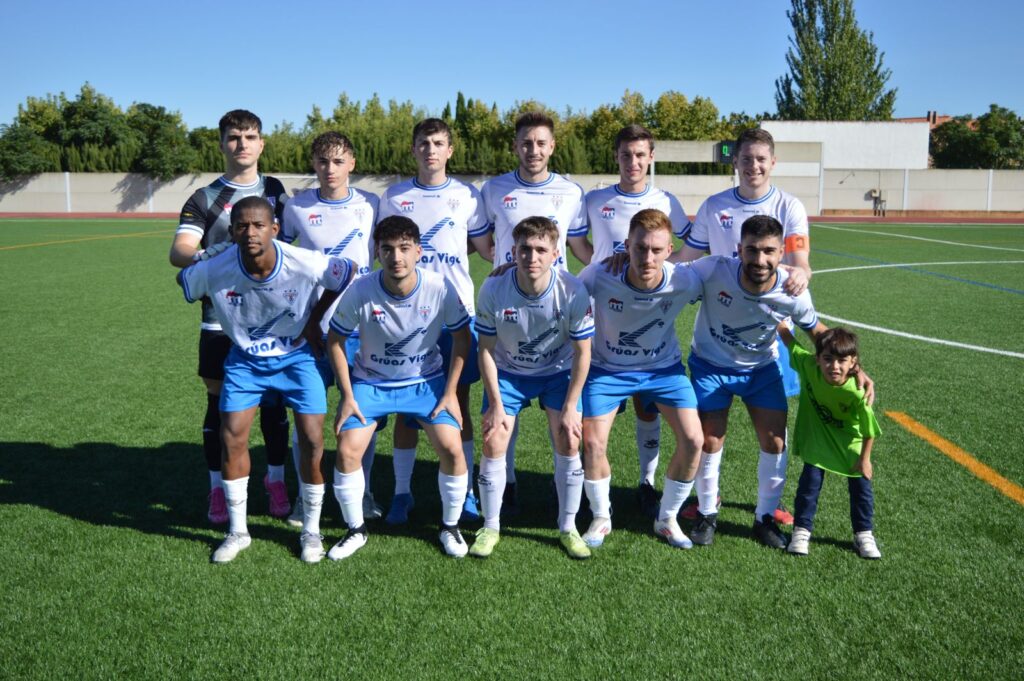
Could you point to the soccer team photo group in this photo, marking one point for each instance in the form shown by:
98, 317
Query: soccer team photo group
335, 288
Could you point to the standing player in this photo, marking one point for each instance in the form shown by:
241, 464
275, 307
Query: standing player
716, 230
447, 212
204, 231
609, 211
636, 353
336, 220
400, 312
527, 191
263, 292
535, 325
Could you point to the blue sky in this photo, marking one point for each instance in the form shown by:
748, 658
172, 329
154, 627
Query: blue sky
279, 59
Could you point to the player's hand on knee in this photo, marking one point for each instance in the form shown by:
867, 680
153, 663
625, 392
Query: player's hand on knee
616, 262
449, 403
571, 422
493, 422
211, 251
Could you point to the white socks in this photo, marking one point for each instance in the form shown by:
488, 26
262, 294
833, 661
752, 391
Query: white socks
599, 496
771, 478
492, 487
569, 485
707, 482
348, 490
403, 460
236, 493
453, 496
673, 497
312, 504
648, 442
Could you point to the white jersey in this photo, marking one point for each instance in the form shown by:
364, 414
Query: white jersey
508, 199
735, 329
635, 329
610, 209
716, 227
447, 214
534, 332
398, 336
342, 228
265, 317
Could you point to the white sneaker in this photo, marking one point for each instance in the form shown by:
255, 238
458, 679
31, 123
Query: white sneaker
371, 511
669, 529
598, 530
312, 547
295, 519
349, 544
452, 541
232, 545
800, 542
865, 544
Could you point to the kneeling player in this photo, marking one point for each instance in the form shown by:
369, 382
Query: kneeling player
636, 352
399, 311
535, 325
263, 291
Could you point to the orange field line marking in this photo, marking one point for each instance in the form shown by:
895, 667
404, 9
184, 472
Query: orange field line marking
986, 473
84, 238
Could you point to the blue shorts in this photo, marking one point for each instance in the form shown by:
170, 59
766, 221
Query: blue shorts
517, 391
323, 364
415, 401
471, 369
790, 379
293, 376
716, 386
604, 391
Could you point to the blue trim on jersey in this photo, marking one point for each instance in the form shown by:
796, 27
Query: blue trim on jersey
809, 326
663, 284
582, 335
335, 202
459, 324
273, 273
736, 195
579, 231
524, 294
485, 330
693, 243
773, 289
431, 187
339, 329
481, 231
520, 180
389, 294
646, 190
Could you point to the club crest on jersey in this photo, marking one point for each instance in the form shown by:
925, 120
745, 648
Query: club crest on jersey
378, 315
724, 298
558, 314
424, 312
359, 213
510, 202
725, 219
290, 295
607, 212
407, 206
316, 219
556, 200
234, 299
510, 315
665, 305
615, 305
453, 203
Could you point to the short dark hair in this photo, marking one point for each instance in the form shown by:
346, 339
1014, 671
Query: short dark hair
396, 227
755, 136
534, 119
325, 142
838, 342
650, 220
760, 226
240, 119
252, 202
535, 225
633, 133
431, 126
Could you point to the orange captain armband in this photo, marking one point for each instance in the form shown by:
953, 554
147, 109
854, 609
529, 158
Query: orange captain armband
797, 243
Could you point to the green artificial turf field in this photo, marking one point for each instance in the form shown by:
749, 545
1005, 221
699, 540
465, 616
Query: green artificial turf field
106, 545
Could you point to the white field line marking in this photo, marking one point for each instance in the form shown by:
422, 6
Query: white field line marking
920, 238
919, 264
938, 341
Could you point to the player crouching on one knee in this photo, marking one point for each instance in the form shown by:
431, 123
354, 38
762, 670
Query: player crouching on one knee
400, 311
835, 430
263, 292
